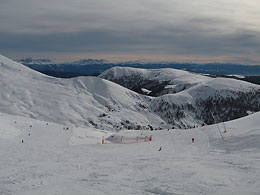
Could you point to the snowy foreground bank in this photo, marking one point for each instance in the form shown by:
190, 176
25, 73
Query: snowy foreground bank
41, 158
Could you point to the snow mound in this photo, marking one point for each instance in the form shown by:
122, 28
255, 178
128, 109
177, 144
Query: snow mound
238, 135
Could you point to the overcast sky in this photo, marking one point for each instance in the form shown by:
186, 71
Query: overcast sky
118, 30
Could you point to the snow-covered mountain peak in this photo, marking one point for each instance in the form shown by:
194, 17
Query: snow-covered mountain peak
6, 63
182, 99
164, 74
35, 61
178, 80
90, 61
82, 101
186, 96
12, 71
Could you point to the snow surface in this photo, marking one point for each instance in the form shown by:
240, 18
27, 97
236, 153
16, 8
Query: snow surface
101, 104
79, 101
188, 92
146, 91
164, 74
56, 159
60, 153
179, 78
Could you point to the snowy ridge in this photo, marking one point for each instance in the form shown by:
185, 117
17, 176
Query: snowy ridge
15, 67
82, 101
172, 76
184, 99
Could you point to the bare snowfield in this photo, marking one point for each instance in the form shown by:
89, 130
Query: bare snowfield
60, 160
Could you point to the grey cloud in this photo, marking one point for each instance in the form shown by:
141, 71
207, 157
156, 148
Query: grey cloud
168, 27
207, 21
189, 41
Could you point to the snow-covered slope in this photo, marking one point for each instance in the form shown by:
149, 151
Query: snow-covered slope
39, 157
42, 157
184, 99
82, 101
159, 81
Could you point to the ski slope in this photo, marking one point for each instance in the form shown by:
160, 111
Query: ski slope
57, 159
51, 131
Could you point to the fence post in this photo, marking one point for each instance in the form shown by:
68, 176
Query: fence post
103, 141
137, 139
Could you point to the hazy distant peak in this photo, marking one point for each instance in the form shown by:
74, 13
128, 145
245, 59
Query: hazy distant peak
34, 61
90, 61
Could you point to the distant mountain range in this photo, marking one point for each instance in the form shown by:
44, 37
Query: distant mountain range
90, 67
35, 61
